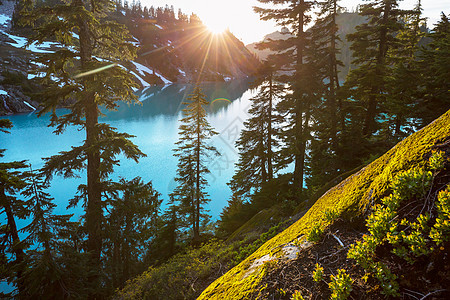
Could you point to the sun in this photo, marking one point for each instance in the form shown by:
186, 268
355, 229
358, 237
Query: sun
216, 26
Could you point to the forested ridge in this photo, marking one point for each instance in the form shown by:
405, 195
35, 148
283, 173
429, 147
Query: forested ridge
170, 49
352, 172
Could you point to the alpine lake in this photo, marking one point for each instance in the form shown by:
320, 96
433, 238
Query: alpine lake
154, 122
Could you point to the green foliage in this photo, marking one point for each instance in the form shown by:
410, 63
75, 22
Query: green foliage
409, 239
316, 233
318, 273
352, 196
193, 152
331, 215
434, 65
130, 226
75, 78
246, 250
440, 232
340, 285
297, 296
184, 276
258, 160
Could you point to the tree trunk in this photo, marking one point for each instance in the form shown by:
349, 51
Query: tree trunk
334, 80
299, 154
197, 220
125, 243
269, 130
13, 232
94, 212
369, 122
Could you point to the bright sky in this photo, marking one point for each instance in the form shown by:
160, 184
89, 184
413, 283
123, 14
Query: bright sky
239, 17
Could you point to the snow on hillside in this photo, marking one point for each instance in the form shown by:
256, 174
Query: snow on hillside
29, 105
49, 47
141, 69
4, 20
142, 81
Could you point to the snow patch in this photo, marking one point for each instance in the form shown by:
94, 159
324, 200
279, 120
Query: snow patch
158, 26
141, 69
166, 81
4, 20
182, 72
143, 82
29, 105
227, 78
2, 92
20, 42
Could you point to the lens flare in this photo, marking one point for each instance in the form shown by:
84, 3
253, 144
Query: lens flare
220, 99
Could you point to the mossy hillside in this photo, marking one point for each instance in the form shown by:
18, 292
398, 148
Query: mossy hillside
258, 224
349, 198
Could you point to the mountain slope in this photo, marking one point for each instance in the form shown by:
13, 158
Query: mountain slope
352, 197
170, 50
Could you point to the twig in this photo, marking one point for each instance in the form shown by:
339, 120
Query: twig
337, 239
431, 293
332, 254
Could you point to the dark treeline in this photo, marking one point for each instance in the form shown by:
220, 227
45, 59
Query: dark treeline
308, 129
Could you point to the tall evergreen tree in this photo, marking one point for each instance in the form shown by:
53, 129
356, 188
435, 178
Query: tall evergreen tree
258, 142
370, 44
296, 106
328, 116
404, 79
54, 269
12, 247
78, 66
131, 224
193, 153
434, 63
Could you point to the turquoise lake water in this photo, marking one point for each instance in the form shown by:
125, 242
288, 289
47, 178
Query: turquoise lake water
155, 125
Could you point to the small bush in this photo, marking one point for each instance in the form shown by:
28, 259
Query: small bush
315, 234
297, 296
408, 239
318, 273
340, 285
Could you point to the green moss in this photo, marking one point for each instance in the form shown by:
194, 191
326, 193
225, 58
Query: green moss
351, 196
260, 220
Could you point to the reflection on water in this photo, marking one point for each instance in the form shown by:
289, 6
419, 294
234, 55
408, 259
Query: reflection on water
154, 124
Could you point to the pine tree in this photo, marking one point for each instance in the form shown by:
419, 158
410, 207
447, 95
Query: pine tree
328, 121
51, 271
371, 42
258, 142
404, 80
11, 182
165, 244
193, 153
434, 63
296, 105
78, 67
131, 224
